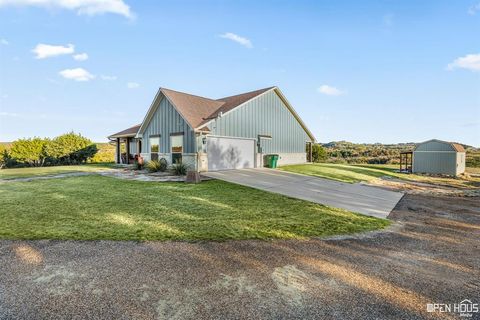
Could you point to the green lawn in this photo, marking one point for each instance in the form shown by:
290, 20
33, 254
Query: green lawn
47, 171
368, 173
98, 207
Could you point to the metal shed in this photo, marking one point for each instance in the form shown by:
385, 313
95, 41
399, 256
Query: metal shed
439, 157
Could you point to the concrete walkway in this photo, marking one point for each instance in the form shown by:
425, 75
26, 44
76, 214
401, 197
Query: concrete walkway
359, 198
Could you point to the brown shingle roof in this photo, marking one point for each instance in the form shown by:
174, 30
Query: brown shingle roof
198, 111
130, 132
236, 100
193, 108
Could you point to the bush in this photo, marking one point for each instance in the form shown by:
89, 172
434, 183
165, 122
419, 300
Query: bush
30, 151
153, 166
138, 165
163, 164
180, 169
318, 153
70, 148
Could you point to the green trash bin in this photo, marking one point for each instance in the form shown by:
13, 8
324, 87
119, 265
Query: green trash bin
268, 161
272, 160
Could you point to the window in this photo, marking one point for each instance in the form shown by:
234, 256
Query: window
154, 144
176, 144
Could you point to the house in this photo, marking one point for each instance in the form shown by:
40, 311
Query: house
208, 135
439, 157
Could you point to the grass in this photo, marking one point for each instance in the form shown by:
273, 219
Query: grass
98, 207
47, 171
368, 173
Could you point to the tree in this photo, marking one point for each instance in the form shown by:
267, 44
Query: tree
318, 153
71, 148
31, 151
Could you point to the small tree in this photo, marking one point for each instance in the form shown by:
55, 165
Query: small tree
30, 151
71, 148
318, 153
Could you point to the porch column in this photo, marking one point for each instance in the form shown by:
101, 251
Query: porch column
127, 150
118, 150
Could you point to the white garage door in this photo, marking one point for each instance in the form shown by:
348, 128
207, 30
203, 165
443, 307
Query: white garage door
230, 153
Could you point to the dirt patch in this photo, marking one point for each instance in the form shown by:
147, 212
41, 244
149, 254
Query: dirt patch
435, 189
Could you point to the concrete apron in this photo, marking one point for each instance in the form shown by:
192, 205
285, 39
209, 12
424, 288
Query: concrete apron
367, 200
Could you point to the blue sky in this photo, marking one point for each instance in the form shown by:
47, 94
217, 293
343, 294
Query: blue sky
362, 71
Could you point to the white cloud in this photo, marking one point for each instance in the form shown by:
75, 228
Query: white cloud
4, 41
43, 51
132, 85
9, 114
238, 39
77, 74
470, 62
82, 7
108, 78
474, 9
80, 57
330, 91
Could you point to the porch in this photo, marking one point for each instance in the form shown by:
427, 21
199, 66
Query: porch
127, 147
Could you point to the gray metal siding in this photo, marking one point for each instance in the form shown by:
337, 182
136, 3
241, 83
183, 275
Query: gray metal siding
268, 115
435, 162
434, 146
164, 121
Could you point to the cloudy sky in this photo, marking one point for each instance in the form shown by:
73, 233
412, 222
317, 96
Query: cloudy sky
379, 71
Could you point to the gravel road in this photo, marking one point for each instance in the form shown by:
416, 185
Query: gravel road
431, 255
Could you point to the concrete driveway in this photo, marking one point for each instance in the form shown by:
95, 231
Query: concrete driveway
371, 201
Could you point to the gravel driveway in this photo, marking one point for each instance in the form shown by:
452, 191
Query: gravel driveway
431, 255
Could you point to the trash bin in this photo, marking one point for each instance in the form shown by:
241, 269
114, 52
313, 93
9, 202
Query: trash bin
271, 160
274, 161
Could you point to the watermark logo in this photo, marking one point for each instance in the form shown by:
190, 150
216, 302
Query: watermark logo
466, 308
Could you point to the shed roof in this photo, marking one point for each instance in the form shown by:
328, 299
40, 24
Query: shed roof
457, 147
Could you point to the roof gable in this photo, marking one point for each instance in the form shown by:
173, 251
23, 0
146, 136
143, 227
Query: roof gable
194, 109
457, 147
199, 111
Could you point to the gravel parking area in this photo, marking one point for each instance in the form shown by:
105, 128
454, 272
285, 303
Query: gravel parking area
432, 255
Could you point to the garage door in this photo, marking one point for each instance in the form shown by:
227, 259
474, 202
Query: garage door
225, 153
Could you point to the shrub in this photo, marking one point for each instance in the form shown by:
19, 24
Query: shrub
318, 153
30, 151
153, 166
180, 169
163, 164
70, 148
138, 165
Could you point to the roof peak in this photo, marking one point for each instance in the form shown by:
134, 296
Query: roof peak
248, 92
181, 92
